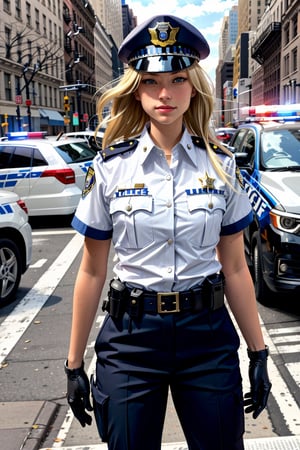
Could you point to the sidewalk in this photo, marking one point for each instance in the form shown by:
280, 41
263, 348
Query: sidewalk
24, 426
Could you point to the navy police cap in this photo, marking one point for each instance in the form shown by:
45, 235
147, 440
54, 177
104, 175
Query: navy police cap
163, 44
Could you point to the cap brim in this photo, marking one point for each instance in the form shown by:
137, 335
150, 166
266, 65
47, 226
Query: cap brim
162, 63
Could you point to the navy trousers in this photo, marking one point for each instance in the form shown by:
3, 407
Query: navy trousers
193, 354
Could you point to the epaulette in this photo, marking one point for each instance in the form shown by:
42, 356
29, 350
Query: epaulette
199, 142
117, 149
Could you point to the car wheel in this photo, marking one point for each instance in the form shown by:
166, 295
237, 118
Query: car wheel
10, 270
262, 291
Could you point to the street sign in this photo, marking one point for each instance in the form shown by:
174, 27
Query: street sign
75, 119
18, 100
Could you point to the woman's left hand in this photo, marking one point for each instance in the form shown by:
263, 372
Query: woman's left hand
260, 386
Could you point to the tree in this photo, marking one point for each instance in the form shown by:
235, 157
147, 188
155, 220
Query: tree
31, 54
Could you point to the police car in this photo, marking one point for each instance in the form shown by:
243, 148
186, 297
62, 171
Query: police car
48, 175
94, 141
15, 244
224, 134
268, 154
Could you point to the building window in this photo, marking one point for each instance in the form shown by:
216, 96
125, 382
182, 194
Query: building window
7, 86
287, 35
44, 26
18, 9
19, 49
6, 5
18, 84
50, 96
37, 20
28, 14
286, 62
294, 59
295, 25
7, 32
33, 92
46, 95
40, 93
50, 31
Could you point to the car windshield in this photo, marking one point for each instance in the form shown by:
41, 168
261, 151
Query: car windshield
281, 149
75, 152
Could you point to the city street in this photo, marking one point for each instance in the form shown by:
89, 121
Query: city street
34, 337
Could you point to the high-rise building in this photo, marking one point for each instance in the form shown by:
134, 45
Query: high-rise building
109, 13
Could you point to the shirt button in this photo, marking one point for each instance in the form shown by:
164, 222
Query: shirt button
170, 241
128, 208
168, 177
169, 204
169, 269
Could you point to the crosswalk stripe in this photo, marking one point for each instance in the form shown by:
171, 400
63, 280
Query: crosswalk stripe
294, 369
277, 443
288, 330
286, 339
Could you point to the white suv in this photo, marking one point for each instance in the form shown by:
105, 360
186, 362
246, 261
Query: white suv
15, 244
48, 175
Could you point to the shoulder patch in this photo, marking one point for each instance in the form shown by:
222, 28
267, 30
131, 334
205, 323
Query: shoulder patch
118, 149
199, 142
239, 177
89, 183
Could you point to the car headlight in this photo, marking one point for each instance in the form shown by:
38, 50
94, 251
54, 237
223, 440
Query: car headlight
290, 223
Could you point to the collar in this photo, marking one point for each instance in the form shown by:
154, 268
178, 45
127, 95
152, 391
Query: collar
146, 145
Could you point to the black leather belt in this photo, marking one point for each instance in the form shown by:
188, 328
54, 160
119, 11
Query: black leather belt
172, 302
210, 294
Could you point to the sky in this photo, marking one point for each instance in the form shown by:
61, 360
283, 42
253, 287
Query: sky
206, 15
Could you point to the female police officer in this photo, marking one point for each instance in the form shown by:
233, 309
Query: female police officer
172, 204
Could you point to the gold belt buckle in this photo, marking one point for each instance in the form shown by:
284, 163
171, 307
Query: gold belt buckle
161, 303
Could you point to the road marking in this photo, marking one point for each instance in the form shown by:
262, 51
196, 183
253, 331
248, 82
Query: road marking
53, 232
38, 264
66, 425
286, 339
23, 314
292, 348
289, 330
294, 369
280, 391
276, 443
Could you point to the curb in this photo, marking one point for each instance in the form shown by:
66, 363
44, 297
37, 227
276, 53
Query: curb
40, 427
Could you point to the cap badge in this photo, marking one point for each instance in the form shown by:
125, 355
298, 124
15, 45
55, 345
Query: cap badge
163, 34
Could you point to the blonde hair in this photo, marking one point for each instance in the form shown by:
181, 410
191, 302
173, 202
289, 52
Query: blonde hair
127, 117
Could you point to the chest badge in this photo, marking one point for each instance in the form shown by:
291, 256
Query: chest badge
209, 184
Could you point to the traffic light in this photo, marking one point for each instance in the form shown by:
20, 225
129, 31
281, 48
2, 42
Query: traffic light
66, 103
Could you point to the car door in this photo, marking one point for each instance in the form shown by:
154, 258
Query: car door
15, 169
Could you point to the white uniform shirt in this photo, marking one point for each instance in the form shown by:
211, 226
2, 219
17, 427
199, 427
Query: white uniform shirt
165, 222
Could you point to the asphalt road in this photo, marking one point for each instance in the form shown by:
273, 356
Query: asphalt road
34, 335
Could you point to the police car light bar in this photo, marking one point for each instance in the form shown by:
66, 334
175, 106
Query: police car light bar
15, 135
272, 112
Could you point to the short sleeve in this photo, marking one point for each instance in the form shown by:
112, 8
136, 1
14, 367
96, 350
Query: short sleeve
238, 214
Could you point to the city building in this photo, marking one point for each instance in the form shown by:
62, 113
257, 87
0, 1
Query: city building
31, 65
266, 60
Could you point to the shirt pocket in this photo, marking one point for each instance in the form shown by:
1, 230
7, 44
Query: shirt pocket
131, 221
207, 212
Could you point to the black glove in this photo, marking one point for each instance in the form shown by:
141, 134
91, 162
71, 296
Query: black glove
78, 394
260, 385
